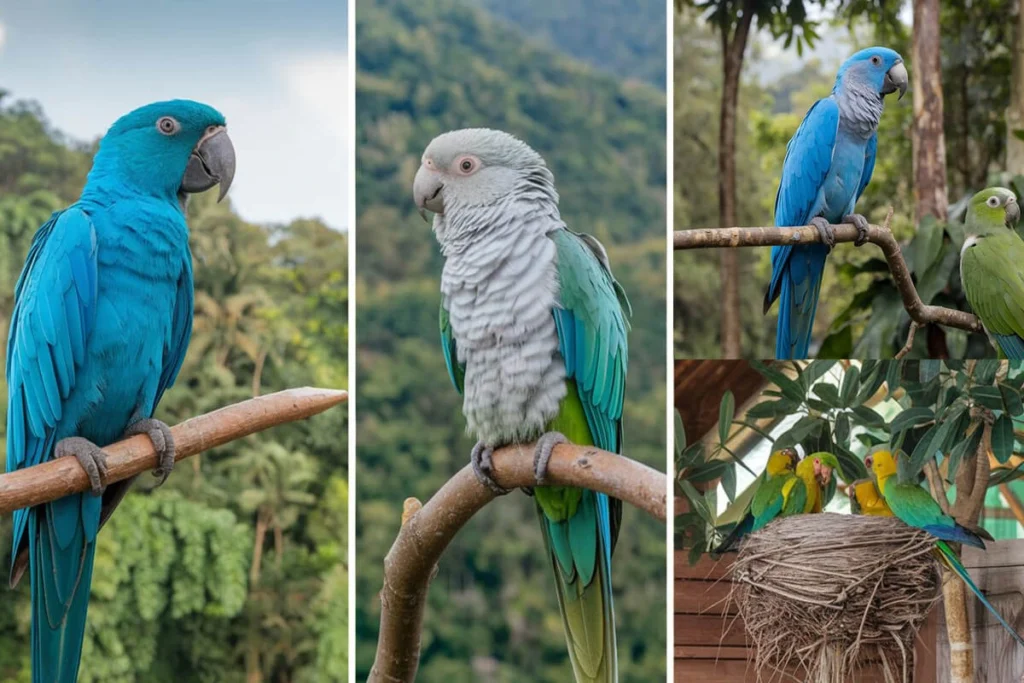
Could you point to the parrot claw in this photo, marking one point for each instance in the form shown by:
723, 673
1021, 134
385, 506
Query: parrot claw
862, 226
828, 235
480, 458
160, 434
90, 456
542, 455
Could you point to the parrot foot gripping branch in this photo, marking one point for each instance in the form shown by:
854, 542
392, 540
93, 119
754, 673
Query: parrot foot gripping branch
428, 529
60, 477
829, 594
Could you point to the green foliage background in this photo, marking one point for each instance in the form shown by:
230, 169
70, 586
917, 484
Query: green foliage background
425, 67
176, 595
859, 313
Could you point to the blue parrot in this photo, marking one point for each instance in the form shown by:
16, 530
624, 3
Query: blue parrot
102, 318
828, 164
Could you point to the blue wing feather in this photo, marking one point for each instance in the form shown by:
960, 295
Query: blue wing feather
796, 271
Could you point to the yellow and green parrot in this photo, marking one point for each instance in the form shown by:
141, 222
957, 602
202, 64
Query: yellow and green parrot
992, 268
802, 493
865, 499
768, 500
915, 507
826, 465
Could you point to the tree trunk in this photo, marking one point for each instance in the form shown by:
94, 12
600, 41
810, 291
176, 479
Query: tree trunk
930, 195
732, 68
1015, 112
257, 548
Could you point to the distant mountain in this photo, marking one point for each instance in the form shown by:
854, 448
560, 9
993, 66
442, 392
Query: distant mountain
624, 38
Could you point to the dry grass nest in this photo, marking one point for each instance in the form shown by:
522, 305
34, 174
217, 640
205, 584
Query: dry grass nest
825, 595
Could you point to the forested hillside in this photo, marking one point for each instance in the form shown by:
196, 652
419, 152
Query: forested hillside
424, 68
623, 38
212, 576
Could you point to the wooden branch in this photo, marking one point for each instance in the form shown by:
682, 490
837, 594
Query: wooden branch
931, 471
63, 476
427, 531
878, 235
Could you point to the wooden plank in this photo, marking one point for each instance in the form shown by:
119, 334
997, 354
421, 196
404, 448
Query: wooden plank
703, 597
705, 569
693, 629
713, 671
713, 652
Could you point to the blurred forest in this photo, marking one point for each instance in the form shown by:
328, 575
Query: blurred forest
425, 67
859, 312
236, 569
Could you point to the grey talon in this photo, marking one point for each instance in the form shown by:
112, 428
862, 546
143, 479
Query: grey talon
163, 442
828, 235
542, 454
90, 456
862, 226
480, 458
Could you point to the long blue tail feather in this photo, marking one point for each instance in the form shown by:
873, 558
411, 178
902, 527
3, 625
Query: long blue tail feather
953, 562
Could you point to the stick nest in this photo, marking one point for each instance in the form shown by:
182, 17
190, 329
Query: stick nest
828, 594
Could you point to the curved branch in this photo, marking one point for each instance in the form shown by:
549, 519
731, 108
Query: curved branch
58, 478
426, 532
879, 235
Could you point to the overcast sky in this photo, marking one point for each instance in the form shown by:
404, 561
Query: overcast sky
277, 70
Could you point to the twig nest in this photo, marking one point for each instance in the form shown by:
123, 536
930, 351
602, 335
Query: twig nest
825, 595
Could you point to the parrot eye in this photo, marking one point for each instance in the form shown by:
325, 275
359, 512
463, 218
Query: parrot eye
993, 201
466, 165
868, 461
168, 125
876, 60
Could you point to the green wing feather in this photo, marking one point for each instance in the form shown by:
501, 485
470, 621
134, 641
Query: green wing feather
993, 280
581, 527
796, 498
456, 370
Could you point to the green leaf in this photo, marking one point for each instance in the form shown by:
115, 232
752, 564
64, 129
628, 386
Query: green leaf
691, 456
1011, 400
1004, 475
869, 418
850, 385
801, 430
754, 428
789, 388
777, 408
869, 439
843, 429
985, 370
680, 435
725, 412
939, 438
827, 393
926, 244
729, 481
924, 450
911, 417
987, 396
851, 468
697, 502
968, 445
1002, 438
893, 375
929, 370
814, 371
709, 471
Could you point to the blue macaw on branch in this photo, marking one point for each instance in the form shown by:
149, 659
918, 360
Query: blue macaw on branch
828, 164
102, 318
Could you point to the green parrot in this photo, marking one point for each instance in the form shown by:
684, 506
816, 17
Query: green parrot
915, 507
768, 500
826, 465
992, 268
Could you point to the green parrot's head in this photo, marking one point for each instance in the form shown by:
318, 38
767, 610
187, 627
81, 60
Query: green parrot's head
824, 464
994, 208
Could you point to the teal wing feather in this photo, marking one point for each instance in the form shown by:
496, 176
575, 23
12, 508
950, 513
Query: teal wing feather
54, 314
456, 370
953, 562
796, 501
591, 320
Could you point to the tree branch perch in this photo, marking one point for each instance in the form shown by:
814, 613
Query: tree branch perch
61, 477
427, 531
879, 235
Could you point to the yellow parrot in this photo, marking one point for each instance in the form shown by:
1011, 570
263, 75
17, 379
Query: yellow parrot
865, 499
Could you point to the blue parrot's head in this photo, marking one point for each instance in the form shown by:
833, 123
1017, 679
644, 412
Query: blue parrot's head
166, 149
878, 70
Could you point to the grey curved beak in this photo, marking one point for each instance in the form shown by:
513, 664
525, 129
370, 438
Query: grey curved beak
896, 78
1012, 213
426, 192
212, 163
